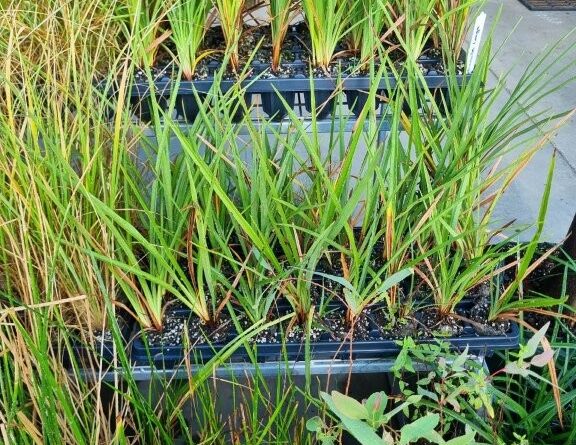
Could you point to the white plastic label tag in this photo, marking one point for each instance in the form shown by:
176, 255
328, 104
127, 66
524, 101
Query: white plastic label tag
475, 43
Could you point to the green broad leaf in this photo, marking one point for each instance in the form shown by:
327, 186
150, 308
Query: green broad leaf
426, 380
411, 400
414, 399
516, 369
466, 439
395, 279
460, 361
315, 424
362, 432
422, 428
349, 407
532, 345
327, 440
542, 360
376, 404
429, 394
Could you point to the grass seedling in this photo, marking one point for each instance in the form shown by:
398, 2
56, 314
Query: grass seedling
364, 39
407, 20
462, 152
244, 244
282, 13
341, 193
142, 20
452, 24
449, 275
177, 225
231, 15
188, 21
358, 299
328, 23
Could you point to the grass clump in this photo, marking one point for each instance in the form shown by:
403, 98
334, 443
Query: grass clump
328, 23
188, 22
108, 218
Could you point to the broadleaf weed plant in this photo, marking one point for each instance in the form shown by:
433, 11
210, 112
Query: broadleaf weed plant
443, 400
447, 388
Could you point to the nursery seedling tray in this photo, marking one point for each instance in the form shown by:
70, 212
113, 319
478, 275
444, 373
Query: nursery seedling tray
269, 87
296, 83
103, 350
164, 357
146, 373
550, 5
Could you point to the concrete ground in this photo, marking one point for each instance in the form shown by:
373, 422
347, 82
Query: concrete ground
524, 34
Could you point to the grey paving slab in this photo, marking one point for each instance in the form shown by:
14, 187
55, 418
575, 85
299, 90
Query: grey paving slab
521, 36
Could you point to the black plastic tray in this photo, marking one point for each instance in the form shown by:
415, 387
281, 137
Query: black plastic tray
84, 353
260, 81
295, 83
165, 357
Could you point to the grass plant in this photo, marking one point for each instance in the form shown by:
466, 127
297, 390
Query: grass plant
282, 13
328, 22
463, 152
220, 171
188, 22
142, 23
364, 39
60, 150
176, 226
452, 25
332, 196
231, 15
97, 217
